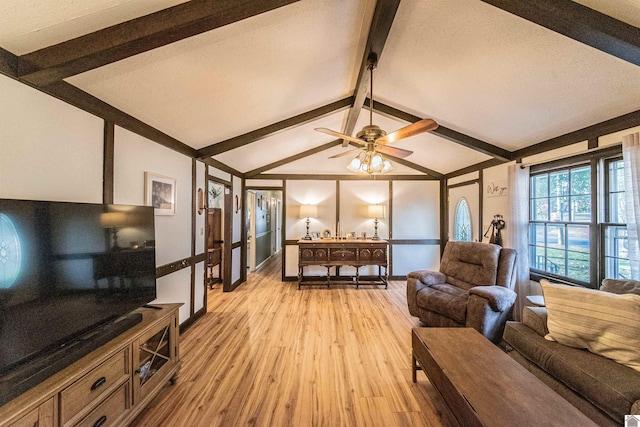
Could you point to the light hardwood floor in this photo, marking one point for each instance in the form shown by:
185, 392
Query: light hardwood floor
268, 354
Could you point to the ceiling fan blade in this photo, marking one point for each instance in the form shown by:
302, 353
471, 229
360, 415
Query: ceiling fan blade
345, 153
393, 151
424, 125
339, 135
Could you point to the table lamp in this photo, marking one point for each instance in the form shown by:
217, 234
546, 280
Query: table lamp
308, 211
376, 211
113, 220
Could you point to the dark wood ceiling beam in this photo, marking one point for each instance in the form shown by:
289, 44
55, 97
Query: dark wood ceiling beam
580, 23
8, 63
381, 22
248, 138
585, 134
223, 167
74, 96
415, 166
302, 155
353, 177
446, 133
136, 36
474, 168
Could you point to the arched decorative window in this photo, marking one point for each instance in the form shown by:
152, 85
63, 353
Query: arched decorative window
462, 223
10, 252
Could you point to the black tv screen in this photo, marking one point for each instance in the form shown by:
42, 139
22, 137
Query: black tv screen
66, 269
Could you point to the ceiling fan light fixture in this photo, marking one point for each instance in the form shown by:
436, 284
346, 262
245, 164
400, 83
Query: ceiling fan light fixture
376, 162
374, 139
369, 163
386, 166
354, 165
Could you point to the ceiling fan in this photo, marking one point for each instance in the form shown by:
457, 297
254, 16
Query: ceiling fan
374, 140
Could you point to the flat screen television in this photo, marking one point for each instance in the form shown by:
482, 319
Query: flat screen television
70, 273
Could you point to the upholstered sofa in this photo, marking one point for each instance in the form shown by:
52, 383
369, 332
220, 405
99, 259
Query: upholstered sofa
474, 288
601, 388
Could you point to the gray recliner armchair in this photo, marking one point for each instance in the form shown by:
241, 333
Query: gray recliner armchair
474, 288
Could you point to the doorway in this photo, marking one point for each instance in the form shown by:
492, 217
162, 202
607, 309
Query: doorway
264, 226
464, 210
215, 232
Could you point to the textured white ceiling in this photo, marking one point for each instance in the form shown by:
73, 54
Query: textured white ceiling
28, 25
282, 145
497, 77
241, 77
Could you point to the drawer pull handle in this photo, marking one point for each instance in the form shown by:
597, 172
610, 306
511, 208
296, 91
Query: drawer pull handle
100, 381
101, 420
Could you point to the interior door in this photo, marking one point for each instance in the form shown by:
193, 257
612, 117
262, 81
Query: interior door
251, 230
471, 194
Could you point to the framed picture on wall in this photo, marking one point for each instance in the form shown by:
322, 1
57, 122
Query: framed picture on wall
160, 192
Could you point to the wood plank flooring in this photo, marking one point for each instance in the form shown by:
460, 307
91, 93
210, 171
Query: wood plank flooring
268, 354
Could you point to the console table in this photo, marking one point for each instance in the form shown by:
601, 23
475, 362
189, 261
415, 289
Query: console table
483, 386
336, 252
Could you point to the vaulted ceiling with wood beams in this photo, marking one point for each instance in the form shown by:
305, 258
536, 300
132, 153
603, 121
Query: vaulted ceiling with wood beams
242, 84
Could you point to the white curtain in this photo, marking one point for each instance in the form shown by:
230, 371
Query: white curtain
631, 159
517, 232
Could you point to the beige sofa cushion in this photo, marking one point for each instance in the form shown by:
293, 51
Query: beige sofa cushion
601, 322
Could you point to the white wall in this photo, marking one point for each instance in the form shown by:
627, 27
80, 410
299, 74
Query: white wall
494, 204
416, 210
219, 174
135, 155
263, 183
319, 193
355, 198
49, 150
200, 220
416, 214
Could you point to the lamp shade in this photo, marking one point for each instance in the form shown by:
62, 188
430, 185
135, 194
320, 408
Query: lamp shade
113, 219
376, 211
308, 211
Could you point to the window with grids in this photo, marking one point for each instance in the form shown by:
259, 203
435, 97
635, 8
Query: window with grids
616, 256
560, 223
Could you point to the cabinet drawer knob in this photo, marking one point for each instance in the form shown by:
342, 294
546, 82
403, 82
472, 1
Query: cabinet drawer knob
100, 381
101, 421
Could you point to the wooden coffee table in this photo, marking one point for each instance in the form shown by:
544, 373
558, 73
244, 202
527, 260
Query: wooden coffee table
483, 386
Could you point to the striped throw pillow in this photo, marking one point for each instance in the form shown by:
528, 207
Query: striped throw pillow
601, 322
